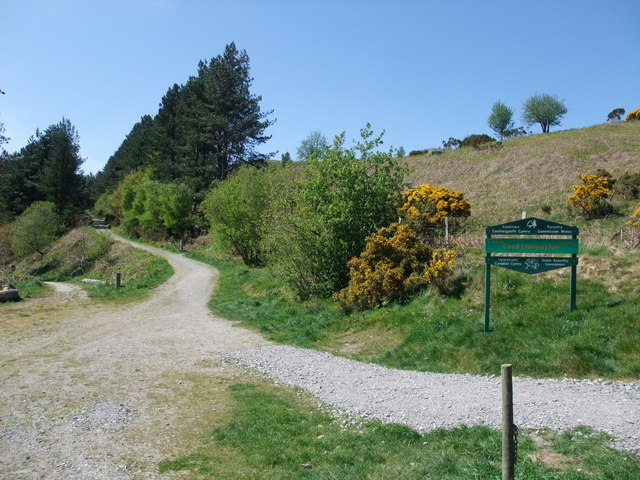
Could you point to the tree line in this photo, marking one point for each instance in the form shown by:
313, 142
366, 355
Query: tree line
202, 131
46, 169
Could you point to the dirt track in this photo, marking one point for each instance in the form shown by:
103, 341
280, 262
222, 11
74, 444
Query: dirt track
74, 375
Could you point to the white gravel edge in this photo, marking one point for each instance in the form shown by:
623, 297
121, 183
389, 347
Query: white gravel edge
427, 401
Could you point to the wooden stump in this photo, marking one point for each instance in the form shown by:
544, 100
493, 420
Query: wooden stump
10, 294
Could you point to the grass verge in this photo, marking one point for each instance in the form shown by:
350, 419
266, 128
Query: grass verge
278, 433
531, 326
86, 253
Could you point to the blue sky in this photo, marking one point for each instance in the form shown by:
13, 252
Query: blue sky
420, 70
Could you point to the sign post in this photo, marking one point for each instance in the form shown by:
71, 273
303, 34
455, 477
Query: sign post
516, 238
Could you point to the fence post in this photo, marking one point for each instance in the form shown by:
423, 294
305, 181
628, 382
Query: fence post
446, 230
507, 424
118, 279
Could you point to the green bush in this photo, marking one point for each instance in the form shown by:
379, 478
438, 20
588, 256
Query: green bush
476, 141
35, 229
628, 186
235, 210
343, 197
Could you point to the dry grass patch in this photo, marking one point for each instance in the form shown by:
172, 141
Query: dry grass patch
366, 345
532, 171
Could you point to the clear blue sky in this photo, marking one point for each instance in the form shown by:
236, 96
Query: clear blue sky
421, 70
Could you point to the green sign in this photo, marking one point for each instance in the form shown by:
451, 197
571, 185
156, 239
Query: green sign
532, 265
531, 245
532, 226
515, 238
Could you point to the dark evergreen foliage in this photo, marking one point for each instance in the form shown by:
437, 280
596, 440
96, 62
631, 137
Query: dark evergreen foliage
46, 169
203, 130
476, 140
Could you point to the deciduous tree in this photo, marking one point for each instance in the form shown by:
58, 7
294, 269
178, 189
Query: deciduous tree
500, 119
36, 228
312, 146
546, 110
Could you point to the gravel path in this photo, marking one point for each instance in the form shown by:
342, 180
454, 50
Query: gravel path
426, 401
100, 392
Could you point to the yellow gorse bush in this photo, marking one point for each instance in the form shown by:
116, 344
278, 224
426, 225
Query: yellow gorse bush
633, 115
393, 263
590, 198
429, 205
635, 220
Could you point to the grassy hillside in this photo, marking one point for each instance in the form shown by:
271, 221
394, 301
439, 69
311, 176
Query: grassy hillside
531, 172
429, 332
85, 253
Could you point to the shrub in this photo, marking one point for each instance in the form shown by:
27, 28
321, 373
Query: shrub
601, 172
345, 195
417, 152
514, 132
628, 186
6, 252
635, 220
634, 224
633, 115
450, 144
35, 229
590, 198
476, 141
235, 209
615, 115
426, 207
393, 264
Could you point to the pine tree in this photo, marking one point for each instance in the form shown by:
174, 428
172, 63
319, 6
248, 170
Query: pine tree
60, 180
225, 117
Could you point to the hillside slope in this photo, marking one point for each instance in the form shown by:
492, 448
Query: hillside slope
531, 172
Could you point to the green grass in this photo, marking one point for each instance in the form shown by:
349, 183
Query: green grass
531, 325
258, 299
147, 273
276, 433
86, 253
27, 285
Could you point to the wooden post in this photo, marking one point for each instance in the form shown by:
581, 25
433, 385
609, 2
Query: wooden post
507, 424
118, 279
446, 230
524, 214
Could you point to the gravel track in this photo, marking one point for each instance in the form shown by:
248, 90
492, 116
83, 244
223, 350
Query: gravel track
97, 392
426, 401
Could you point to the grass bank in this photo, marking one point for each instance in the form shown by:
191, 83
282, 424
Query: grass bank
85, 253
531, 325
278, 433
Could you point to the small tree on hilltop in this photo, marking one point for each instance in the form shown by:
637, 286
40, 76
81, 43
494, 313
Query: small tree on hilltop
545, 109
500, 119
615, 115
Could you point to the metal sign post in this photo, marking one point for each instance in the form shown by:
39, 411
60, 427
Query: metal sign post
523, 245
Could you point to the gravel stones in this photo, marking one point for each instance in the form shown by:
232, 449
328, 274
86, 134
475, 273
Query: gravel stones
427, 401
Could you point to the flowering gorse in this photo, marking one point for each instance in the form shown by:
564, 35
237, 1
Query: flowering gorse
635, 220
393, 264
429, 205
590, 198
633, 115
